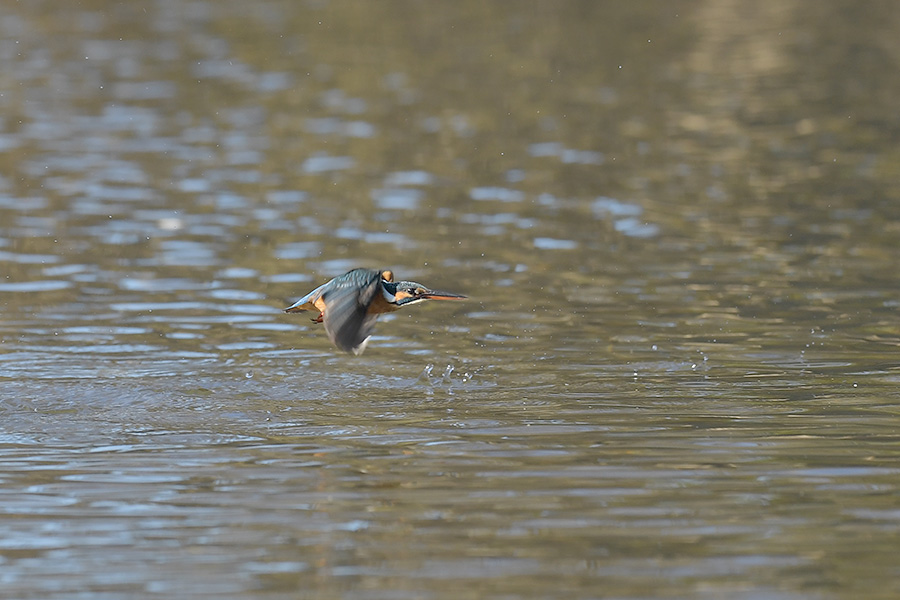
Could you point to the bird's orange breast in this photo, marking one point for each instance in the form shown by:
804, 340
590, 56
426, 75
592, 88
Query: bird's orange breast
380, 305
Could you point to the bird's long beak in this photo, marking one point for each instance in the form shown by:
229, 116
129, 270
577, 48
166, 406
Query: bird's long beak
438, 295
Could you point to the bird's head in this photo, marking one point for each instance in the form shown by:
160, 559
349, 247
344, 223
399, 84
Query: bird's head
410, 292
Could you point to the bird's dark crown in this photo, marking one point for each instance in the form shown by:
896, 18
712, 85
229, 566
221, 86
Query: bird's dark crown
405, 292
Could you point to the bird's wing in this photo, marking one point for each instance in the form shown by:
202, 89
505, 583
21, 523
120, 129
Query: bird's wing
347, 321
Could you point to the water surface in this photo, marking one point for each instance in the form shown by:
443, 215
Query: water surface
675, 376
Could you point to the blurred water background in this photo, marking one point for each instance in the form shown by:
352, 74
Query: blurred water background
676, 375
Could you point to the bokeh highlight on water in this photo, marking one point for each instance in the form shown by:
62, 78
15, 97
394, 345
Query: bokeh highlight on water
675, 376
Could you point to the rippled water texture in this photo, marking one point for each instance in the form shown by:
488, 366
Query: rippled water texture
676, 375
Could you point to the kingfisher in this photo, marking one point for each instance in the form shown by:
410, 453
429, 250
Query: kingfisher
350, 304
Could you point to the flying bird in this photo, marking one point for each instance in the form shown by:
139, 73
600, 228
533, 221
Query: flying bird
350, 304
